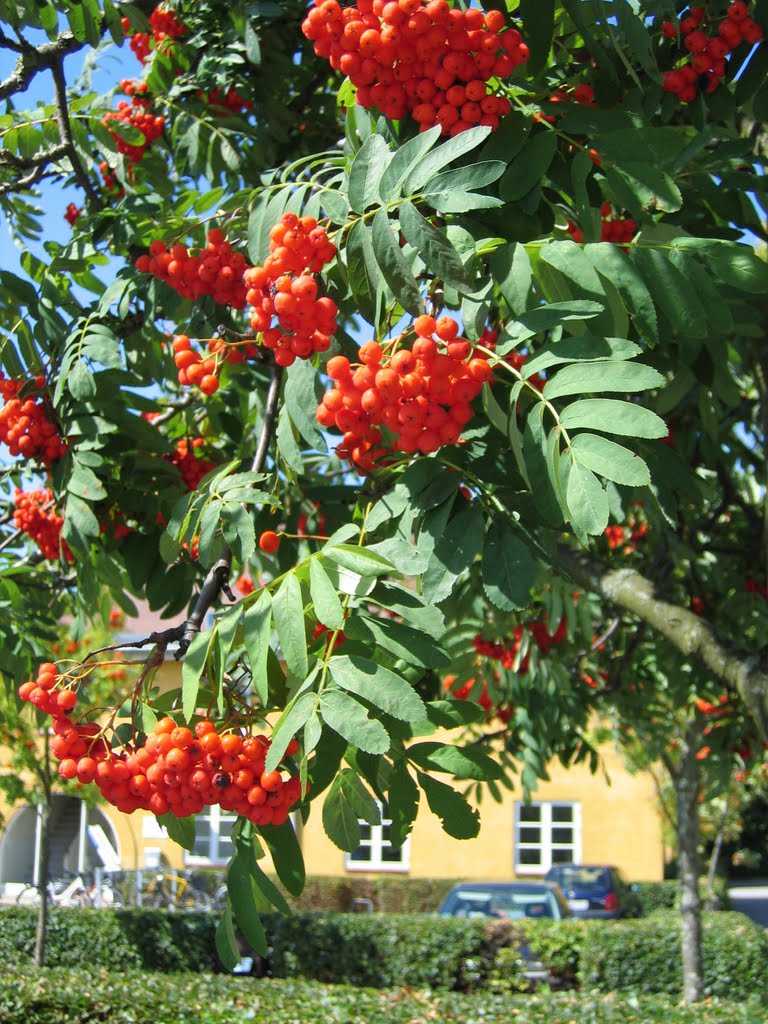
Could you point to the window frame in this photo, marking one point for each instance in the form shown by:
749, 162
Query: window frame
376, 844
214, 813
546, 845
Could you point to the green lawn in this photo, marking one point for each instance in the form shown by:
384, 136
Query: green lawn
60, 996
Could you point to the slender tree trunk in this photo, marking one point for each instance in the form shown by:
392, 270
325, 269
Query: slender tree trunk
43, 868
687, 786
44, 812
713, 903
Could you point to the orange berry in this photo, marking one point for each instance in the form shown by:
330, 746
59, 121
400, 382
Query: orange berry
269, 542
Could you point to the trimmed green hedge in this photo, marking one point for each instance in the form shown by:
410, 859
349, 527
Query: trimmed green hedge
96, 997
112, 939
420, 951
377, 950
645, 956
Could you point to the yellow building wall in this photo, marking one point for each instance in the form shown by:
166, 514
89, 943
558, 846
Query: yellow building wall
620, 825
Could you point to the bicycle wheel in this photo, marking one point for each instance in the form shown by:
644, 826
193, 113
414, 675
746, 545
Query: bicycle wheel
195, 899
28, 897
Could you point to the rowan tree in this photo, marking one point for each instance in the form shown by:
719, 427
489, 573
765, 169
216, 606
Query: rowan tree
436, 326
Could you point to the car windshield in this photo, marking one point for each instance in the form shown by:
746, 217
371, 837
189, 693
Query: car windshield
584, 878
502, 903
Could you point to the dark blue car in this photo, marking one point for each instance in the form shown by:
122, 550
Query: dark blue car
594, 890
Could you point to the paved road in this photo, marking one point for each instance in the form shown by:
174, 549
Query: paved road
751, 900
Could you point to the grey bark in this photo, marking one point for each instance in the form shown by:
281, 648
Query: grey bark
687, 784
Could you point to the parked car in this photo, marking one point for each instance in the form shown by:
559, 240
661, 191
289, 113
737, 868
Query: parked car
510, 901
595, 890
505, 899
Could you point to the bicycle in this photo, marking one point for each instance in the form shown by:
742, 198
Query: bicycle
73, 893
170, 891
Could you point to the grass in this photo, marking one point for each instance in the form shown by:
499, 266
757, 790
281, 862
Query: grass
63, 996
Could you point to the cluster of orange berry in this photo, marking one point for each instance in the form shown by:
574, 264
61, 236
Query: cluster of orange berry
41, 525
176, 770
619, 230
71, 214
285, 288
506, 653
704, 68
628, 536
164, 26
230, 101
582, 94
421, 394
25, 425
464, 691
421, 57
191, 467
137, 115
217, 270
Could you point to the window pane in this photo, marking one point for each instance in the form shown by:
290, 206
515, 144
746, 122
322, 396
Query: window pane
562, 856
529, 835
365, 832
391, 855
362, 854
530, 813
562, 835
529, 857
562, 812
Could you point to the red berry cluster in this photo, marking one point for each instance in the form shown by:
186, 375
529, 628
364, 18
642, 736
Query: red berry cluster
582, 94
517, 361
507, 652
25, 425
136, 114
285, 288
217, 270
41, 523
464, 691
112, 188
226, 102
164, 26
421, 394
420, 57
191, 466
619, 230
753, 586
704, 68
176, 770
629, 535
71, 214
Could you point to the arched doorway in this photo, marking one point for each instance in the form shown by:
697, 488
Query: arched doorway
76, 842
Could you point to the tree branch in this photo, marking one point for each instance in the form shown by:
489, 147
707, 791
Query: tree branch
65, 133
688, 633
217, 579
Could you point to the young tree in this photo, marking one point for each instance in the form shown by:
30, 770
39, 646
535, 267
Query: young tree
531, 214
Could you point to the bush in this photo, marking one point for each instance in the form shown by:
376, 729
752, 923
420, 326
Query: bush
67, 996
74, 937
645, 956
655, 896
378, 950
113, 939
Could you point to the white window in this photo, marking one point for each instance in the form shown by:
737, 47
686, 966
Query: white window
213, 837
376, 852
546, 834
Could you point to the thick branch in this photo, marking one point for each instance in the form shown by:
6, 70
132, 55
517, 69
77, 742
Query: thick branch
690, 634
41, 58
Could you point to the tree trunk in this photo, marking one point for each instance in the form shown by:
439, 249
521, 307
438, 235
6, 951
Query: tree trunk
44, 812
43, 867
713, 902
687, 786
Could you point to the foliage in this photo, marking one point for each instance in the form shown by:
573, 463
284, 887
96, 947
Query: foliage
76, 996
